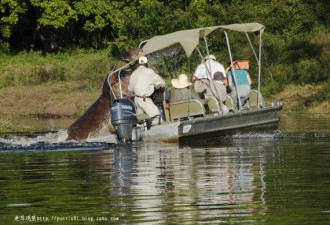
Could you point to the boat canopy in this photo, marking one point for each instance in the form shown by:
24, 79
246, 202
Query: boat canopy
189, 39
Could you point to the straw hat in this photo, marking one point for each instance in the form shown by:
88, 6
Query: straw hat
181, 82
143, 60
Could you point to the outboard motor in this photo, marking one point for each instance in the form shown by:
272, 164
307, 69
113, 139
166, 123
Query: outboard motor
123, 118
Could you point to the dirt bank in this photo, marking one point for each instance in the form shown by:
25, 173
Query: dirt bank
303, 99
48, 100
55, 100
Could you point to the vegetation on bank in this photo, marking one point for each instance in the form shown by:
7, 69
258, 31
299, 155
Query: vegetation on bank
293, 62
75, 42
32, 68
41, 40
68, 100
284, 62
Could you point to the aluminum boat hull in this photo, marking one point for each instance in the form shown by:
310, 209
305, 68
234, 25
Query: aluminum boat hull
255, 120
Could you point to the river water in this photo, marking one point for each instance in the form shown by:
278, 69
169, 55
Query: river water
280, 177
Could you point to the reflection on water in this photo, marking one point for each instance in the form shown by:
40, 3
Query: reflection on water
303, 124
268, 178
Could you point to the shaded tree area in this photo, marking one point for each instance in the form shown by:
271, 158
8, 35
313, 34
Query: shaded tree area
295, 41
56, 25
52, 25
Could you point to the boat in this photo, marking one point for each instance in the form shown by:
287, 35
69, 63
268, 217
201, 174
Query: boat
188, 120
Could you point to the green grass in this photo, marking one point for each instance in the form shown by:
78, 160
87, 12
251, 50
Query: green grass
30, 68
90, 66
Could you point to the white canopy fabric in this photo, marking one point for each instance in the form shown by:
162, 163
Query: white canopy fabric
189, 38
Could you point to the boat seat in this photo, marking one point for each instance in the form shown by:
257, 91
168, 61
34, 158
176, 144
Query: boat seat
145, 120
230, 103
186, 109
213, 105
142, 117
253, 100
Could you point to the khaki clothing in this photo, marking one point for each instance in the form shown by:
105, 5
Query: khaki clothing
146, 106
244, 94
181, 94
204, 73
221, 90
142, 83
203, 87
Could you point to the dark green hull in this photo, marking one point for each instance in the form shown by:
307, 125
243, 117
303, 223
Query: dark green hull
244, 121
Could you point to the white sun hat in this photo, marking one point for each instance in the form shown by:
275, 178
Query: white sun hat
181, 82
143, 60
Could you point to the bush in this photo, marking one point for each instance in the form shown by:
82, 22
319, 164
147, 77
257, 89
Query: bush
325, 93
6, 80
55, 73
307, 70
325, 66
270, 89
301, 48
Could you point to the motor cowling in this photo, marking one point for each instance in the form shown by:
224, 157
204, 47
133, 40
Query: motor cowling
123, 118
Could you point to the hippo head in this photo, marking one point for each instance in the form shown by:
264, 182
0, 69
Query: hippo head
133, 53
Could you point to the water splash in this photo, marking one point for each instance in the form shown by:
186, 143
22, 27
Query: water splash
48, 142
259, 135
277, 135
51, 125
51, 141
252, 138
157, 56
57, 137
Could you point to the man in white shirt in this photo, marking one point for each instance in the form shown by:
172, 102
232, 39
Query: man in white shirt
142, 83
204, 73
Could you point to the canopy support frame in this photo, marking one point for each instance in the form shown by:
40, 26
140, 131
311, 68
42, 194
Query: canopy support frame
258, 59
259, 68
112, 73
233, 71
213, 88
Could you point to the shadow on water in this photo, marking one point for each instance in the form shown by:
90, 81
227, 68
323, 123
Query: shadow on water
44, 146
251, 139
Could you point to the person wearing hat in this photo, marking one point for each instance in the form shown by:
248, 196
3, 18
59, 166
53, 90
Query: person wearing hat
243, 87
182, 90
141, 84
204, 73
220, 84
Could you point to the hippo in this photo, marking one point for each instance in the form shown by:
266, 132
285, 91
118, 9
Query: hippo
97, 117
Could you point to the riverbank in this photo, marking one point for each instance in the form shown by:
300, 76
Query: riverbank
50, 100
70, 99
310, 99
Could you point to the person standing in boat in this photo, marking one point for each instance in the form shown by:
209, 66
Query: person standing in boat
204, 75
142, 82
243, 86
183, 90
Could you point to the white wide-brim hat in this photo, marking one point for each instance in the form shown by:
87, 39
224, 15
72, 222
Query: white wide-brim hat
181, 82
143, 60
